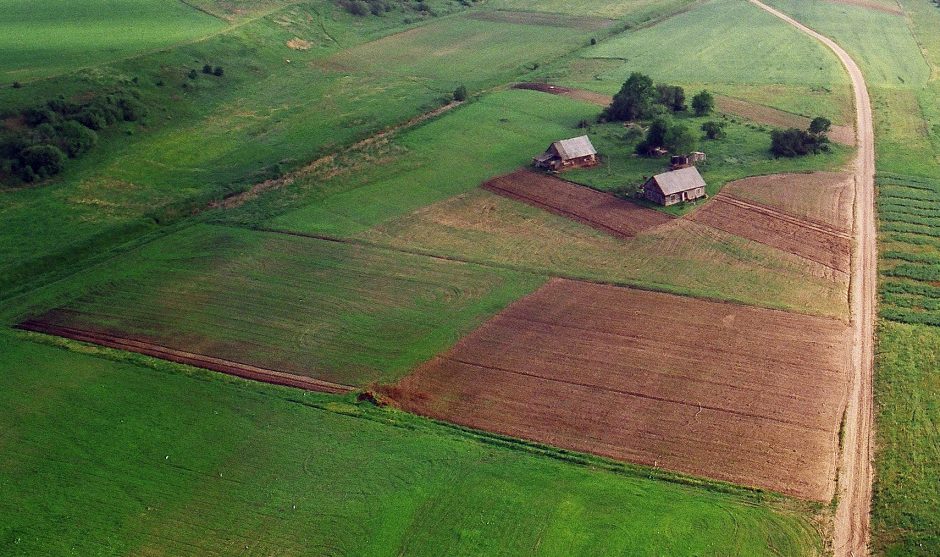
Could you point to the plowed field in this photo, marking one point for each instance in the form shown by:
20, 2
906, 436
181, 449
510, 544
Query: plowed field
602, 211
736, 393
815, 241
824, 197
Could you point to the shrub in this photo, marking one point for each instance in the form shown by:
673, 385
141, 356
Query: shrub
593, 41
17, 84
703, 103
713, 129
820, 125
795, 143
92, 118
76, 139
41, 161
37, 116
192, 74
355, 7
207, 69
218, 71
671, 96
460, 93
673, 137
132, 109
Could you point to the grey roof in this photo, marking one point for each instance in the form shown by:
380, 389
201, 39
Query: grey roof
675, 181
574, 148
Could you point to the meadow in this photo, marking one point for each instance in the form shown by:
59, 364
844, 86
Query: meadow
37, 41
229, 467
637, 12
338, 312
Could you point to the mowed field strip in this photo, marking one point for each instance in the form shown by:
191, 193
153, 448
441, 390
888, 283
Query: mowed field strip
735, 393
602, 211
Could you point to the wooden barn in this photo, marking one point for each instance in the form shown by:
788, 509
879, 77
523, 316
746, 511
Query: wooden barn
577, 152
675, 186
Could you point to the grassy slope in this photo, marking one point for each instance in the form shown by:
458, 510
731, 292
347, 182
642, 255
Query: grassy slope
347, 314
39, 39
221, 471
637, 11
907, 127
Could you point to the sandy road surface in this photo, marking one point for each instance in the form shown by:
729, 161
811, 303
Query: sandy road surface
855, 473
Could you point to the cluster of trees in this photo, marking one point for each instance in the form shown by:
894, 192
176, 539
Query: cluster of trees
59, 130
663, 134
207, 69
795, 142
640, 99
363, 8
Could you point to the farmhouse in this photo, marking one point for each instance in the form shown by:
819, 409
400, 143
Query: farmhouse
674, 186
567, 153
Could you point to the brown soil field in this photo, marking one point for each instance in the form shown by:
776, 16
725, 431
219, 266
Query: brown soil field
824, 197
599, 99
815, 241
544, 19
237, 369
778, 118
602, 211
735, 393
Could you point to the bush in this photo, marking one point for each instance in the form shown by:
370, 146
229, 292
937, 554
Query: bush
671, 96
218, 71
355, 7
460, 93
17, 84
714, 130
37, 116
76, 139
92, 118
132, 109
820, 125
41, 161
703, 103
593, 41
673, 137
192, 74
207, 69
795, 143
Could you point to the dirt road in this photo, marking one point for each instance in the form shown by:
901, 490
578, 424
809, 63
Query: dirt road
855, 468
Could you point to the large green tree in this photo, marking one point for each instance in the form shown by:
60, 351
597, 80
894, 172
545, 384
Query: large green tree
634, 101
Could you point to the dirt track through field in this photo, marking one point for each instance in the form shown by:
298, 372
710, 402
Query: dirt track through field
817, 241
853, 515
737, 393
237, 369
602, 211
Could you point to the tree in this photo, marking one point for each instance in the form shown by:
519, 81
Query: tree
703, 103
41, 161
218, 71
460, 93
673, 137
634, 101
819, 125
192, 74
672, 97
713, 129
207, 69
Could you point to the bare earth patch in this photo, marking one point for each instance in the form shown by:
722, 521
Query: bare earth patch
602, 211
578, 94
778, 118
890, 8
815, 241
818, 196
735, 393
299, 44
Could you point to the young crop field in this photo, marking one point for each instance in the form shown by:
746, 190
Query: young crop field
341, 313
638, 11
706, 45
681, 256
906, 494
39, 39
729, 392
158, 459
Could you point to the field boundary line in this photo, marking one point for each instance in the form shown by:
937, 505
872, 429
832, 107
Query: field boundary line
229, 367
815, 225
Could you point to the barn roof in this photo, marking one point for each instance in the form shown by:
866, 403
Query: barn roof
675, 181
574, 148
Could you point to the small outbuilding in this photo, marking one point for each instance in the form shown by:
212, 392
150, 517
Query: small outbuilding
577, 152
675, 186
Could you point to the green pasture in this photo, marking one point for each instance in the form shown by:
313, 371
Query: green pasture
722, 41
880, 42
907, 399
454, 153
339, 312
39, 39
106, 457
745, 151
637, 11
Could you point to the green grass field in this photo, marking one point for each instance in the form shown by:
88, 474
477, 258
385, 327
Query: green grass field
231, 467
40, 39
907, 398
638, 11
338, 312
706, 45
